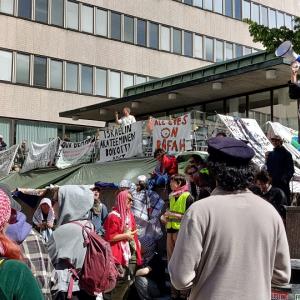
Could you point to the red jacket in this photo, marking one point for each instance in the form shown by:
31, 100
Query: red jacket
112, 227
169, 165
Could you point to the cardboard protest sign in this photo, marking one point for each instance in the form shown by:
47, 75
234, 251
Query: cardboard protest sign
40, 156
121, 142
72, 153
173, 135
6, 160
249, 130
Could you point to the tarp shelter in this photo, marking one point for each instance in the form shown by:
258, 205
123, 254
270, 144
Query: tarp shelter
82, 174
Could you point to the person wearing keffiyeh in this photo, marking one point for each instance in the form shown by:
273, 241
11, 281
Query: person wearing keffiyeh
43, 218
120, 231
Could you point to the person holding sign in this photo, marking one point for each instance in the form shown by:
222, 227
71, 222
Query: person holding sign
127, 118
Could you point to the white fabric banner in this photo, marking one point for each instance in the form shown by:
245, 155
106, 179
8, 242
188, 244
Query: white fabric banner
121, 142
71, 153
7, 159
173, 135
249, 130
40, 156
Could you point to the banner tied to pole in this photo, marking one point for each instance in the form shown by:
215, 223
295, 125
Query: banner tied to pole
7, 158
40, 156
72, 153
173, 135
121, 142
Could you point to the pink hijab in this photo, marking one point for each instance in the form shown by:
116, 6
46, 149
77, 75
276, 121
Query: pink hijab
121, 207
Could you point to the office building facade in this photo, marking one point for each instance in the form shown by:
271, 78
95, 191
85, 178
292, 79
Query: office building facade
59, 55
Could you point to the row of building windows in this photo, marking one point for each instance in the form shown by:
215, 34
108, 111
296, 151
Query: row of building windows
67, 76
109, 24
244, 9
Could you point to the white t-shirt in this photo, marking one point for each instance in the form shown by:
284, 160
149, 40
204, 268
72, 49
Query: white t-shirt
127, 120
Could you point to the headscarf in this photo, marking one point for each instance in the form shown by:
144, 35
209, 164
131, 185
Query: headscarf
5, 209
121, 207
38, 214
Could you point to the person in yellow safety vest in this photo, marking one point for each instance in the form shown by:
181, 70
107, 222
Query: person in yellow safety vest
180, 199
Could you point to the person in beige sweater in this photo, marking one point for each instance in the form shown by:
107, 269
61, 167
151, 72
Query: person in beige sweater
231, 245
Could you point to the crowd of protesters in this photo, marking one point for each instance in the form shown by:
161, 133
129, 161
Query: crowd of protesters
210, 235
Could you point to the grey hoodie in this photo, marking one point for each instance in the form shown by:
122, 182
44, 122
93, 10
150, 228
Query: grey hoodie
67, 241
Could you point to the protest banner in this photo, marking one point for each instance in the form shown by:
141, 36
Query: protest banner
72, 153
7, 158
121, 142
248, 130
172, 135
40, 156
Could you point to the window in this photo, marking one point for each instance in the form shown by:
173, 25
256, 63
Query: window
238, 9
22, 68
188, 43
264, 15
198, 46
246, 9
5, 65
238, 50
127, 80
86, 79
177, 41
72, 15
40, 71
228, 8
140, 79
207, 4
87, 18
190, 2
56, 74
219, 51
7, 6
272, 18
284, 110
72, 77
57, 12
128, 29
229, 50
247, 50
101, 22
209, 49
153, 35
288, 21
255, 12
41, 11
114, 84
115, 26
212, 108
24, 9
100, 82
280, 19
198, 3
218, 6
236, 107
260, 107
141, 33
165, 38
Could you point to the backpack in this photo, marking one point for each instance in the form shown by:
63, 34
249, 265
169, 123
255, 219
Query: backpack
98, 273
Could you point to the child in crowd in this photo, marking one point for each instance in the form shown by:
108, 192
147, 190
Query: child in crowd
120, 231
180, 199
43, 218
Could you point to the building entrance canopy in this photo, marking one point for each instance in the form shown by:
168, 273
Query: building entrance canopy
252, 73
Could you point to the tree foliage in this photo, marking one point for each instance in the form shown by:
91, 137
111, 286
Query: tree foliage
271, 38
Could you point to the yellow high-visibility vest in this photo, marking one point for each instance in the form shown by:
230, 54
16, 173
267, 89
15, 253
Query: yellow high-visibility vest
177, 206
